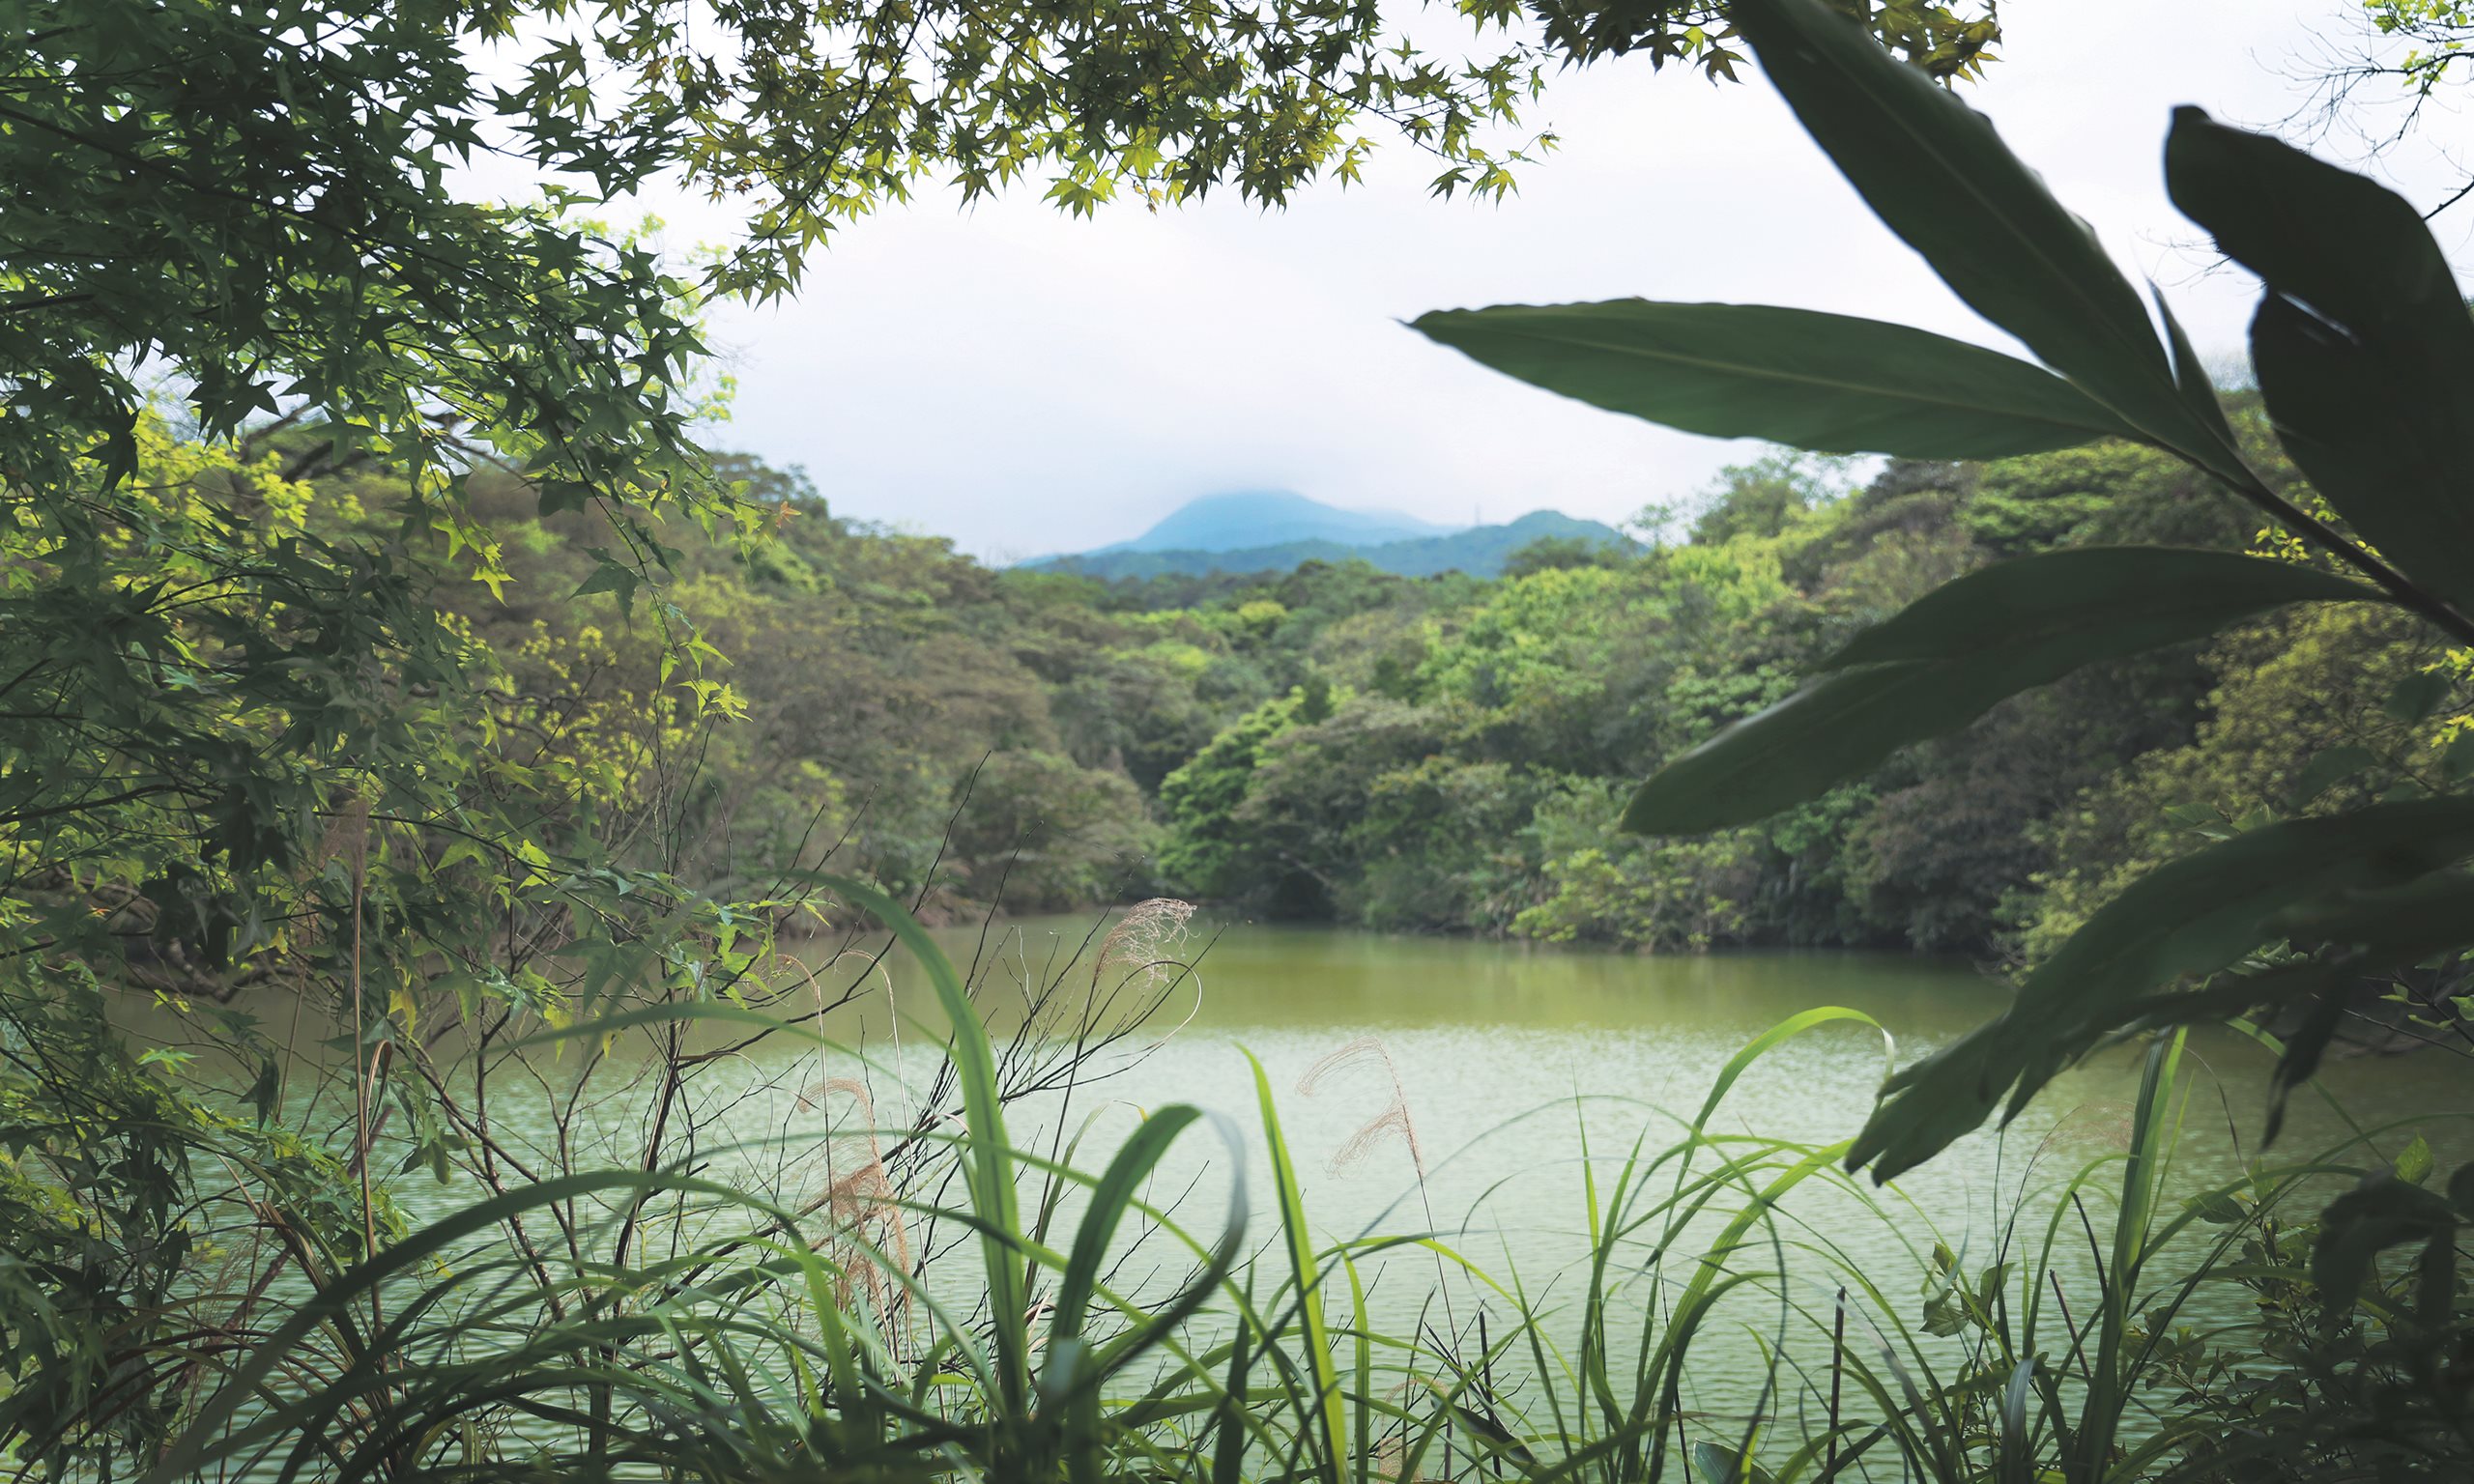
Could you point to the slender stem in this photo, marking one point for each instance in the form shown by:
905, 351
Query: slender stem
1837, 1375
2317, 532
361, 1067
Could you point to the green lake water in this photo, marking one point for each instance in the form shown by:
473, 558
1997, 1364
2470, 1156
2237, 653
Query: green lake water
1495, 1043
1506, 1061
1508, 1057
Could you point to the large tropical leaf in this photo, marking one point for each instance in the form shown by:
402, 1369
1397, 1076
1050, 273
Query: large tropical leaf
1825, 382
2191, 917
1952, 655
2363, 343
2381, 1213
1938, 176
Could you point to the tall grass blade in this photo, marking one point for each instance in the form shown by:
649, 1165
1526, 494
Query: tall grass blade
1322, 1371
988, 1163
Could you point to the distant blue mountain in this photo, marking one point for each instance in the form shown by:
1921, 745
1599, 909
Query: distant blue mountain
1479, 551
1249, 518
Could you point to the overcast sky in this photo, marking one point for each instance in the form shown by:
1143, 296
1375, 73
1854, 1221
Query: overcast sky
1026, 383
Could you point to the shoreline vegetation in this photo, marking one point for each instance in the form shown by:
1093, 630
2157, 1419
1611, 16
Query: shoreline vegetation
413, 745
1440, 755
2117, 1319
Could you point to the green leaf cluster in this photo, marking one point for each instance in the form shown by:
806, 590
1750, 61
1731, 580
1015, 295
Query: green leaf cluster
2363, 349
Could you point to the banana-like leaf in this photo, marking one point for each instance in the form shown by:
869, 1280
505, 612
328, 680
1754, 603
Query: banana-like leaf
2404, 925
1953, 654
1825, 382
2363, 343
2353, 936
1937, 174
2383, 1212
2194, 916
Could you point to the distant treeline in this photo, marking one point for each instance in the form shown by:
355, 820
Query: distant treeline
1481, 550
1448, 752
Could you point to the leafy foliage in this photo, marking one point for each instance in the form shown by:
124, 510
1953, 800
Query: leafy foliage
269, 750
275, 391
1535, 695
1950, 656
2365, 352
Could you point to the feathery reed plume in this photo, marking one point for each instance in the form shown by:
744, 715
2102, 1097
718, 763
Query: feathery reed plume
1391, 1459
347, 835
2106, 1124
1143, 940
350, 838
859, 1199
1394, 1117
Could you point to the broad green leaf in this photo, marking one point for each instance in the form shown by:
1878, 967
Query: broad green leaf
1951, 656
2319, 984
2366, 933
2329, 769
611, 577
1938, 176
2191, 917
1719, 1464
2400, 926
1823, 381
2416, 696
2381, 1213
558, 494
2216, 1206
2308, 1040
2191, 379
2363, 344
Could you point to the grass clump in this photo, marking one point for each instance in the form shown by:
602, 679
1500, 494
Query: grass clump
986, 1308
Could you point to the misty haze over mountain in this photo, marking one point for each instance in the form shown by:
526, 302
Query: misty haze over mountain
1275, 531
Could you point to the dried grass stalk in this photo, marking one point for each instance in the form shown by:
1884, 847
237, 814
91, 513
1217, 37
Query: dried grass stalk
1144, 940
1392, 1119
856, 1201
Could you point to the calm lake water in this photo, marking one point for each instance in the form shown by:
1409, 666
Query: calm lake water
1505, 1061
1507, 1056
1495, 1045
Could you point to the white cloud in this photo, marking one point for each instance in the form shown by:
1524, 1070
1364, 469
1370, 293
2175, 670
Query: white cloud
1027, 383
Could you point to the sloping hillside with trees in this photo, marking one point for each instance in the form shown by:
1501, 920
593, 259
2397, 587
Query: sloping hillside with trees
422, 758
1443, 753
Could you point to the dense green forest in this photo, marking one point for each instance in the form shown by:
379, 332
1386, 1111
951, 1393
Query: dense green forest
1443, 753
458, 827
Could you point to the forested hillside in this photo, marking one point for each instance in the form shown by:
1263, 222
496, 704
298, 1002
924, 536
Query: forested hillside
1481, 550
464, 1008
1447, 754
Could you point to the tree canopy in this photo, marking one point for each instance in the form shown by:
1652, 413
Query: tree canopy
366, 605
257, 205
